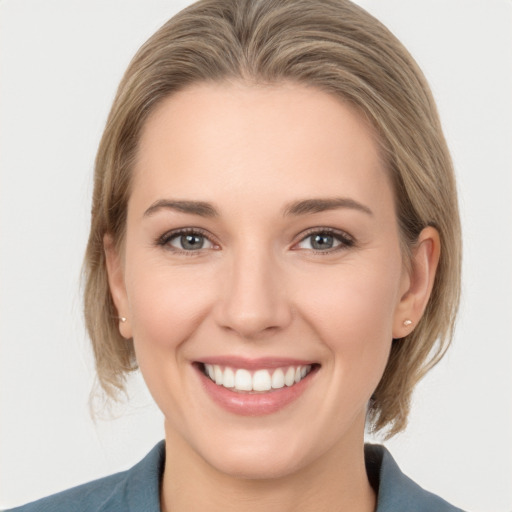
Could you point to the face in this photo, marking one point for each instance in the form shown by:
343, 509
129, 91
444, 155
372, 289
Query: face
261, 274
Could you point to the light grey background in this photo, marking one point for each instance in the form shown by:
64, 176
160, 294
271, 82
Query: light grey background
60, 63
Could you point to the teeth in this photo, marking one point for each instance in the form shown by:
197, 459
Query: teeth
289, 378
243, 380
278, 379
260, 380
218, 375
228, 379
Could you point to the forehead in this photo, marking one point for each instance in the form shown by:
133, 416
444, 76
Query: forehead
249, 139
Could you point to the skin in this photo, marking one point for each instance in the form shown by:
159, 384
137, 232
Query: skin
258, 288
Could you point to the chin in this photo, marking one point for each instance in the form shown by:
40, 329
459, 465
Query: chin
256, 464
255, 452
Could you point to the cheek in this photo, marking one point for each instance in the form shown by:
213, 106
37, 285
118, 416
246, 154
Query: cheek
352, 312
353, 300
166, 304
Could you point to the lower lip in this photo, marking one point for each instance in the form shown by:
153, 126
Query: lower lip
255, 404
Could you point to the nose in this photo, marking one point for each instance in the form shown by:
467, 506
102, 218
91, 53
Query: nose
254, 300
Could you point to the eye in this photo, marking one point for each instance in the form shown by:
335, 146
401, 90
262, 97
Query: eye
325, 240
186, 240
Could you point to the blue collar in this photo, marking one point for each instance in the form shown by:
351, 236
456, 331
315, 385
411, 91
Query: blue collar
140, 490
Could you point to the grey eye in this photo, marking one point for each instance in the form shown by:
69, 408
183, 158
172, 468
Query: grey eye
190, 242
320, 242
325, 240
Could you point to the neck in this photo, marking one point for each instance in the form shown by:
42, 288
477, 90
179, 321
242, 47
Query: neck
337, 480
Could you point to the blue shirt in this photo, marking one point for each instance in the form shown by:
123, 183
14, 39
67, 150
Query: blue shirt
138, 489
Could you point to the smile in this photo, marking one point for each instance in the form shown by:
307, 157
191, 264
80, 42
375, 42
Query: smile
262, 380
255, 387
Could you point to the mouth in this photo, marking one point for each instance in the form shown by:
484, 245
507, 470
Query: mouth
253, 388
263, 380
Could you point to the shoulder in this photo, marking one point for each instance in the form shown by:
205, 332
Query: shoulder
83, 498
136, 489
395, 491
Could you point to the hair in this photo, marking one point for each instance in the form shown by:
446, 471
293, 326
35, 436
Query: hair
332, 45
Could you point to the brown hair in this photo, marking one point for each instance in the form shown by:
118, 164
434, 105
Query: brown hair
339, 48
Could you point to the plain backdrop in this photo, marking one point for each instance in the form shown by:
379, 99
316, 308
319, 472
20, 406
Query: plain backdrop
60, 63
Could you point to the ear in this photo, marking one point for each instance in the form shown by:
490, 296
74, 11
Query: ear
117, 286
417, 282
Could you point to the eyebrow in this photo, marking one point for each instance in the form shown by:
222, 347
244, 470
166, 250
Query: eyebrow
200, 208
296, 208
309, 206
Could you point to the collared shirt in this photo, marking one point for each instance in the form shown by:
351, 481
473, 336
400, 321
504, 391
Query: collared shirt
138, 489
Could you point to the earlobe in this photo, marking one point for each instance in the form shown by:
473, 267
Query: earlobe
419, 283
117, 284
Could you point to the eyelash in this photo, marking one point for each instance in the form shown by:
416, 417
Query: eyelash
166, 238
346, 241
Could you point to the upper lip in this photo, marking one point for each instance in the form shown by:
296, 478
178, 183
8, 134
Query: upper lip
255, 363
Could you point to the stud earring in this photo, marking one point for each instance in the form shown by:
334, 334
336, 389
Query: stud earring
123, 319
407, 322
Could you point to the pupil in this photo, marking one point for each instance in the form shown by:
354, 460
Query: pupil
322, 241
191, 242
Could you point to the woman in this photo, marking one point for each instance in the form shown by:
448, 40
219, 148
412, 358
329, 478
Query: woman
275, 243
